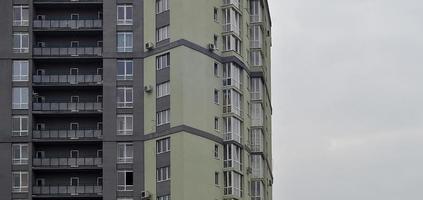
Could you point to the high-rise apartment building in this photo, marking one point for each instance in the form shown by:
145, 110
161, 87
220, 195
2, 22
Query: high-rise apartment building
135, 99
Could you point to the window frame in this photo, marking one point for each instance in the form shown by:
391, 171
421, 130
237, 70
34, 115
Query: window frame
163, 89
125, 20
23, 45
126, 65
164, 117
163, 174
22, 21
23, 130
127, 118
162, 61
23, 158
162, 6
125, 187
126, 36
163, 145
21, 66
20, 187
162, 33
125, 103
128, 153
20, 104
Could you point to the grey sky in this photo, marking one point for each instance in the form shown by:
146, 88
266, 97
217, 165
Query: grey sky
347, 99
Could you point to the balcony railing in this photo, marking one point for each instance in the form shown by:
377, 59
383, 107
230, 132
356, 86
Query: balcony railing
232, 137
67, 1
255, 43
256, 147
68, 51
231, 28
71, 24
66, 79
72, 107
256, 95
67, 190
231, 2
232, 191
67, 134
234, 164
228, 109
67, 162
255, 18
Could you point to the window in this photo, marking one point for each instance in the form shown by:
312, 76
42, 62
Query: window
163, 174
256, 58
163, 89
20, 15
232, 182
161, 6
124, 97
255, 10
232, 156
19, 125
124, 14
257, 165
20, 42
256, 89
125, 153
162, 61
232, 75
20, 154
163, 145
257, 190
162, 33
216, 178
125, 69
20, 98
216, 96
124, 41
166, 197
231, 101
216, 69
256, 36
256, 114
231, 43
125, 180
124, 124
163, 117
216, 123
20, 70
232, 126
216, 151
20, 181
215, 14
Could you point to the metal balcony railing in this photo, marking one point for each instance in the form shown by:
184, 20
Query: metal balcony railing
231, 2
71, 24
230, 109
72, 107
67, 162
255, 18
66, 79
67, 134
68, 51
234, 164
232, 137
232, 191
70, 1
256, 95
232, 27
255, 43
256, 147
68, 190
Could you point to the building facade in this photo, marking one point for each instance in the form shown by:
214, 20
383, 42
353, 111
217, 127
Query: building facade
135, 99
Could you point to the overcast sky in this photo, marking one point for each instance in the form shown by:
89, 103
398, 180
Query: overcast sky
348, 99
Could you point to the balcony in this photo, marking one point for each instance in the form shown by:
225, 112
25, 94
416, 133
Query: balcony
256, 96
255, 18
232, 164
67, 162
57, 190
256, 44
67, 134
57, 80
232, 27
67, 107
67, 24
256, 148
228, 136
231, 2
232, 192
68, 1
68, 51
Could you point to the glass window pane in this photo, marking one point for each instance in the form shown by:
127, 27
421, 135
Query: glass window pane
120, 13
129, 12
129, 178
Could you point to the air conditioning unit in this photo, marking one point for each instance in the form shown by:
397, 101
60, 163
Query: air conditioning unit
149, 45
145, 195
211, 47
148, 88
249, 170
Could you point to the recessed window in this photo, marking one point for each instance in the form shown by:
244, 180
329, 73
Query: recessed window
216, 178
216, 14
124, 14
20, 70
166, 197
20, 98
19, 125
20, 181
161, 6
124, 41
163, 145
124, 124
163, 174
125, 70
125, 180
124, 97
216, 97
20, 15
20, 42
162, 33
163, 89
216, 123
163, 117
20, 154
216, 151
162, 61
216, 69
125, 153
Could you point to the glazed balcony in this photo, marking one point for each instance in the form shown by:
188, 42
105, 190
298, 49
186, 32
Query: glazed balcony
68, 51
62, 190
231, 2
67, 134
230, 136
67, 1
88, 24
67, 162
57, 80
67, 107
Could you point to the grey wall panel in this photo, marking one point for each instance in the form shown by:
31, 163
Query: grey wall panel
163, 160
163, 19
163, 103
163, 188
5, 171
163, 75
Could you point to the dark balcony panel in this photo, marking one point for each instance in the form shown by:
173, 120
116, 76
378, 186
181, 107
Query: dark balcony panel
68, 24
67, 162
68, 51
67, 134
67, 80
71, 107
63, 190
68, 1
